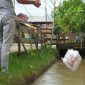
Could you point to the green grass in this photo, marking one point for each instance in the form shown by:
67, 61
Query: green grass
26, 67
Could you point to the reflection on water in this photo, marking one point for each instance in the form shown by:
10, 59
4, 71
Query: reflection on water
59, 74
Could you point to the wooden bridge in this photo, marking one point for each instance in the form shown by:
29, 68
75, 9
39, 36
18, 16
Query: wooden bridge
71, 41
67, 41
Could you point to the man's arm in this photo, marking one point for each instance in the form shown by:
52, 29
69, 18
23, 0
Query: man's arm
34, 2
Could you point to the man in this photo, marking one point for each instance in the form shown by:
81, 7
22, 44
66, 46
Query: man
7, 29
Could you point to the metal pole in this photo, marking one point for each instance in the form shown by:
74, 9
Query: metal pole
54, 14
54, 3
46, 23
46, 15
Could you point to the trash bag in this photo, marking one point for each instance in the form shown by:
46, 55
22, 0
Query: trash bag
72, 59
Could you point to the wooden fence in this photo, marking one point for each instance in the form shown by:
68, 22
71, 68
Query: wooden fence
26, 33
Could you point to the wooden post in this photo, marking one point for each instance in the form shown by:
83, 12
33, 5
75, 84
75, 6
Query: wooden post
81, 40
18, 37
24, 47
36, 38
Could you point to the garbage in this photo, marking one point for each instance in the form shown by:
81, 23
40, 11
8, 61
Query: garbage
72, 59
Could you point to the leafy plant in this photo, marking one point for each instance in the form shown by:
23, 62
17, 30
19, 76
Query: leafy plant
70, 16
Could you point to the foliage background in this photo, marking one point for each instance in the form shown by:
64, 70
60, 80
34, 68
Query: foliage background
70, 16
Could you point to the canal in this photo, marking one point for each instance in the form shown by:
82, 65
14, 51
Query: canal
59, 74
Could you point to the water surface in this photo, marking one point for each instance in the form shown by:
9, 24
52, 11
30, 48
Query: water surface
59, 74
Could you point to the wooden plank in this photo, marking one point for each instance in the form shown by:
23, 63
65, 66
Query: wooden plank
46, 29
70, 45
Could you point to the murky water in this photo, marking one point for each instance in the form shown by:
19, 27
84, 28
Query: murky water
59, 74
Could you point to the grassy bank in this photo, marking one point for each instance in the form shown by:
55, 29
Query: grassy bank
27, 67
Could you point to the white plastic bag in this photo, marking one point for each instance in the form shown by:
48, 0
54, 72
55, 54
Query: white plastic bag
72, 59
